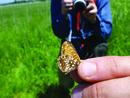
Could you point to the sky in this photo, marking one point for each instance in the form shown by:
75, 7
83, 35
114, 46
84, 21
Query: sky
6, 1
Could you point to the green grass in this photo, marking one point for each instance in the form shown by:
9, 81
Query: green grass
29, 49
119, 42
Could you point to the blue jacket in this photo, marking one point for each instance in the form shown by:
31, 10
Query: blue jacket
102, 31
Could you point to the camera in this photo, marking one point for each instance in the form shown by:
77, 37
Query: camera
79, 5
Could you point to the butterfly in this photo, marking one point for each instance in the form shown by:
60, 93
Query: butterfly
69, 59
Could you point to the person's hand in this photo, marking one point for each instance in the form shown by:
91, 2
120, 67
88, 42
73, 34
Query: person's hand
103, 77
90, 11
67, 5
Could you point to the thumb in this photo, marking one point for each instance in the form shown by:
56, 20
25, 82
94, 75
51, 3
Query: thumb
104, 68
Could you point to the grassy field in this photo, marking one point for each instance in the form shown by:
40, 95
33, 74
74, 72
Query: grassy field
29, 49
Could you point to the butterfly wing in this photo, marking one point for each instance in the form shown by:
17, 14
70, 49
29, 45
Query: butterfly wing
68, 49
69, 59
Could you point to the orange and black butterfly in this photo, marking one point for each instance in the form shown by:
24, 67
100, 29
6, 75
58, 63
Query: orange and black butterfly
69, 59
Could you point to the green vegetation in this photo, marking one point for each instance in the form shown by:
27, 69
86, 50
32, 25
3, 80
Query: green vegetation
119, 42
29, 49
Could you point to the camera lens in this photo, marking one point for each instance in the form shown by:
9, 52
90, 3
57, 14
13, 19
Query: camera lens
79, 5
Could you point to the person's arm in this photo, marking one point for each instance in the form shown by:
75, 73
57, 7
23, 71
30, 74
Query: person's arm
60, 23
105, 19
98, 18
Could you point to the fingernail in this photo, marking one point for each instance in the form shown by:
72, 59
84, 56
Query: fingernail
77, 93
88, 69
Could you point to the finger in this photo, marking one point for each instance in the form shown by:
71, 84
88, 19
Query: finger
76, 77
90, 1
104, 68
68, 9
91, 8
67, 5
89, 15
91, 12
67, 2
116, 88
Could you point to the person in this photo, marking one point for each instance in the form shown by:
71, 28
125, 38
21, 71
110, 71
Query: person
89, 29
102, 77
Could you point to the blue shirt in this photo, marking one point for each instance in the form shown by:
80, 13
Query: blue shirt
101, 31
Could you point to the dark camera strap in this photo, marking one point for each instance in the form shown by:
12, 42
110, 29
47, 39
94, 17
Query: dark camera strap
78, 28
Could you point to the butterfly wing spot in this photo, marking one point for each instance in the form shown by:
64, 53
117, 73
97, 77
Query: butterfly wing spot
71, 62
69, 59
75, 60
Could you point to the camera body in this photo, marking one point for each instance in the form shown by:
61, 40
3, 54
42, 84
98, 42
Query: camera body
79, 5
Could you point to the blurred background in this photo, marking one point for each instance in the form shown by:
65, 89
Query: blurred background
29, 49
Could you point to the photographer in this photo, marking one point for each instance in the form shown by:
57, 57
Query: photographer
90, 28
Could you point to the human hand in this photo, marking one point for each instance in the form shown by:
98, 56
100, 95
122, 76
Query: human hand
90, 11
67, 5
103, 77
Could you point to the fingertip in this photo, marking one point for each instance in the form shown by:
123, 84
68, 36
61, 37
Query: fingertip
87, 70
